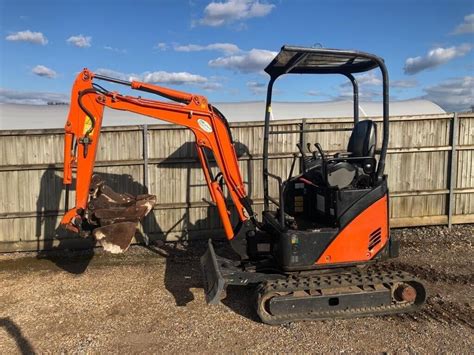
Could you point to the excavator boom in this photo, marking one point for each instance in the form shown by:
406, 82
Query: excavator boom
112, 217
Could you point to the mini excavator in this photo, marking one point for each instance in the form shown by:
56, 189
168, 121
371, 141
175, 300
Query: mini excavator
315, 252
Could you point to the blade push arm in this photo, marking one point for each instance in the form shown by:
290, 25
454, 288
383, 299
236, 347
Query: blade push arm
83, 126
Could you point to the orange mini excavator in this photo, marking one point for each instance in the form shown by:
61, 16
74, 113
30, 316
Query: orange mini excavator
315, 251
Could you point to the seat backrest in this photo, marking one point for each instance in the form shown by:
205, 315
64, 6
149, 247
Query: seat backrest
363, 139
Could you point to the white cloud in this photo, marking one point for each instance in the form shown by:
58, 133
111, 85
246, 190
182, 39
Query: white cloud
364, 94
256, 88
162, 77
116, 50
28, 36
313, 93
466, 27
434, 58
370, 78
373, 78
31, 97
80, 41
211, 86
178, 78
116, 74
220, 13
404, 84
226, 48
252, 61
455, 94
161, 46
46, 72
370, 87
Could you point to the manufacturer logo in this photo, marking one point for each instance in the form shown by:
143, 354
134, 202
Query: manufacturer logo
206, 127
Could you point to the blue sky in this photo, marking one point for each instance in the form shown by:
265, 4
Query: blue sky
219, 48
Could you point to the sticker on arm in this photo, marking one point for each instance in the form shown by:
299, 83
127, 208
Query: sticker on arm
206, 127
87, 125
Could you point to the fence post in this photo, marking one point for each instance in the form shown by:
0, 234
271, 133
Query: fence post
452, 167
145, 158
302, 140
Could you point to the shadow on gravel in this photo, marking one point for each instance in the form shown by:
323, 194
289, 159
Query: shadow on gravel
74, 262
242, 300
183, 273
14, 331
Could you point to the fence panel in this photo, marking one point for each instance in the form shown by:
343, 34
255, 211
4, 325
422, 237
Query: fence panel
419, 164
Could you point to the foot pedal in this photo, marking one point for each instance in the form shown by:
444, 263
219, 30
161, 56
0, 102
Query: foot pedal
214, 282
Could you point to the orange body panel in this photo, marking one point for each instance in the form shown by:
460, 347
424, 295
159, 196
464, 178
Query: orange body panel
352, 243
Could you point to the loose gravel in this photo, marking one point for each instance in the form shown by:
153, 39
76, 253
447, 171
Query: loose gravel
150, 300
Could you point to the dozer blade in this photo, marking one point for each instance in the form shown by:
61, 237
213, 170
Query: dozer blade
214, 282
116, 238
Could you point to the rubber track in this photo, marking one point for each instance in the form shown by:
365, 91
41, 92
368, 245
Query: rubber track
364, 278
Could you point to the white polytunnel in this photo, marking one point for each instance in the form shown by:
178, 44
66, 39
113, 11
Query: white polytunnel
16, 116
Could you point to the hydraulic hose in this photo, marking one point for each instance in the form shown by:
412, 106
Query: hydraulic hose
83, 108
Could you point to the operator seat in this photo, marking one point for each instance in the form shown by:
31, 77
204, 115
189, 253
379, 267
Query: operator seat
340, 173
362, 143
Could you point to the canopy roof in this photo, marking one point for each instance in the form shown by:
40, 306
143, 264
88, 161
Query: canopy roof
302, 60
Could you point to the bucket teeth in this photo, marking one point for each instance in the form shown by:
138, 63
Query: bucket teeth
114, 217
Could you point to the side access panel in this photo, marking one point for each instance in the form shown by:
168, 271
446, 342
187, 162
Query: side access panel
362, 238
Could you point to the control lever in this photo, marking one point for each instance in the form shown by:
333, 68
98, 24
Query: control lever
295, 157
320, 150
303, 154
314, 152
323, 157
300, 148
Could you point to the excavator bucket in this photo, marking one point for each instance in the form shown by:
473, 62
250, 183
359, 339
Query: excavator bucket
114, 217
115, 238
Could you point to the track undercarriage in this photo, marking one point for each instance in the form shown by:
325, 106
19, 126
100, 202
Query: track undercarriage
318, 295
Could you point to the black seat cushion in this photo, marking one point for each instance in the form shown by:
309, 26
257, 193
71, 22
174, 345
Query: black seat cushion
363, 139
340, 174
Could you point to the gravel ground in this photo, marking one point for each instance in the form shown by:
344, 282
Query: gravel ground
151, 300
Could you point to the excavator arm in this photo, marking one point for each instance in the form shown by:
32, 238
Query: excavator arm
82, 133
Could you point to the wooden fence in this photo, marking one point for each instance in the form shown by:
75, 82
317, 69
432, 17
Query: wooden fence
430, 168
